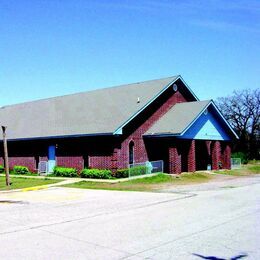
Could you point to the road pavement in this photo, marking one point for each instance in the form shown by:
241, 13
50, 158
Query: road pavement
189, 223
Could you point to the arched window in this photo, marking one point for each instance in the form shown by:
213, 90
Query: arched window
131, 152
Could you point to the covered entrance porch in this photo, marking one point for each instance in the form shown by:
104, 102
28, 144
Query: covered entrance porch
192, 136
196, 155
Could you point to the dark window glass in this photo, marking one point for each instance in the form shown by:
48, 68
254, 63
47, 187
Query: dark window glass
131, 152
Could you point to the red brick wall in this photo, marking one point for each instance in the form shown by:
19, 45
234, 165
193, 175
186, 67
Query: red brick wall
23, 161
101, 162
140, 153
70, 161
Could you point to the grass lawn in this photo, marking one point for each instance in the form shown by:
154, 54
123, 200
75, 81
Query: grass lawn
244, 171
146, 184
20, 182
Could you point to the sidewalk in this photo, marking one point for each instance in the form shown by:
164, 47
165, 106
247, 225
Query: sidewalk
64, 181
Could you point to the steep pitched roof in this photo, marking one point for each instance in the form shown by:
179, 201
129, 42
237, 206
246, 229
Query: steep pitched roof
94, 112
182, 116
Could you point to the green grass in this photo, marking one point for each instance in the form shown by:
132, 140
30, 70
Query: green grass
244, 171
20, 182
27, 174
145, 184
254, 169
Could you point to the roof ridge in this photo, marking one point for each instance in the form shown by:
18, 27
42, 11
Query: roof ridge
88, 91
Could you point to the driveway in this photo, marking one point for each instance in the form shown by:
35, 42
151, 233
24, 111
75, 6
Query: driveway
65, 223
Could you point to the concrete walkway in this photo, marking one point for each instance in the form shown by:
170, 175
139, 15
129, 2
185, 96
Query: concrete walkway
64, 181
74, 179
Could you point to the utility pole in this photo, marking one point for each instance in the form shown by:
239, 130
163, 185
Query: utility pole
6, 162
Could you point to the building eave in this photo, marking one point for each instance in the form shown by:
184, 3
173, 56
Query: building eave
58, 137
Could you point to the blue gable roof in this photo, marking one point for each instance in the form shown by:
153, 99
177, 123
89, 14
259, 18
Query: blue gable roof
208, 126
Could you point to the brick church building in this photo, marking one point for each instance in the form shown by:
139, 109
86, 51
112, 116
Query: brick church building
114, 127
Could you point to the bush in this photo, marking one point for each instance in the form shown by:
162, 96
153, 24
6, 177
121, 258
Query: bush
65, 172
243, 156
122, 173
96, 174
138, 170
2, 169
20, 169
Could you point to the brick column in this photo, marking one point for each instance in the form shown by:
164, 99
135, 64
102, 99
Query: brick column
191, 157
174, 160
216, 155
208, 143
114, 160
227, 156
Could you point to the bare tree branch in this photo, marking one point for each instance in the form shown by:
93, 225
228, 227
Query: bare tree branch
242, 110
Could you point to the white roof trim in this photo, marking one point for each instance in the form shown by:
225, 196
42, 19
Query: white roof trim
119, 130
219, 113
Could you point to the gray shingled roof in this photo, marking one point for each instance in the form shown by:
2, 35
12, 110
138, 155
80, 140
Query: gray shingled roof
178, 118
93, 112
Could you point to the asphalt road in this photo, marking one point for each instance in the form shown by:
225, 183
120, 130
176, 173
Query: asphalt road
63, 223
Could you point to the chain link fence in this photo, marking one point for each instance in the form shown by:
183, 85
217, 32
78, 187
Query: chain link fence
144, 168
235, 163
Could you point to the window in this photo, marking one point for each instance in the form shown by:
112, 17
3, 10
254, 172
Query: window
85, 161
131, 152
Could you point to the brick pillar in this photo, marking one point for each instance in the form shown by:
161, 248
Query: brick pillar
174, 161
191, 157
227, 156
114, 160
208, 143
216, 155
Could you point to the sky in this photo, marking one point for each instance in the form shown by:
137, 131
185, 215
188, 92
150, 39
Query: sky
57, 47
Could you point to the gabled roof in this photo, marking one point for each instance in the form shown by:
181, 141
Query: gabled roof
178, 118
181, 117
95, 112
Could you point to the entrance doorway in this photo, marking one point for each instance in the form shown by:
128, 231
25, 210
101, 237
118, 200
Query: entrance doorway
203, 158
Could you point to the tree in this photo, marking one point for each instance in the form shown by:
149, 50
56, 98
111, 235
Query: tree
242, 110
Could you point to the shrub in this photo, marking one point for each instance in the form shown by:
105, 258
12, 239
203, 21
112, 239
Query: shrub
2, 169
243, 156
96, 174
138, 170
65, 172
122, 173
20, 169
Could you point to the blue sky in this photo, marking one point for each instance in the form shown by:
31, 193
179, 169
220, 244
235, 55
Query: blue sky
56, 47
